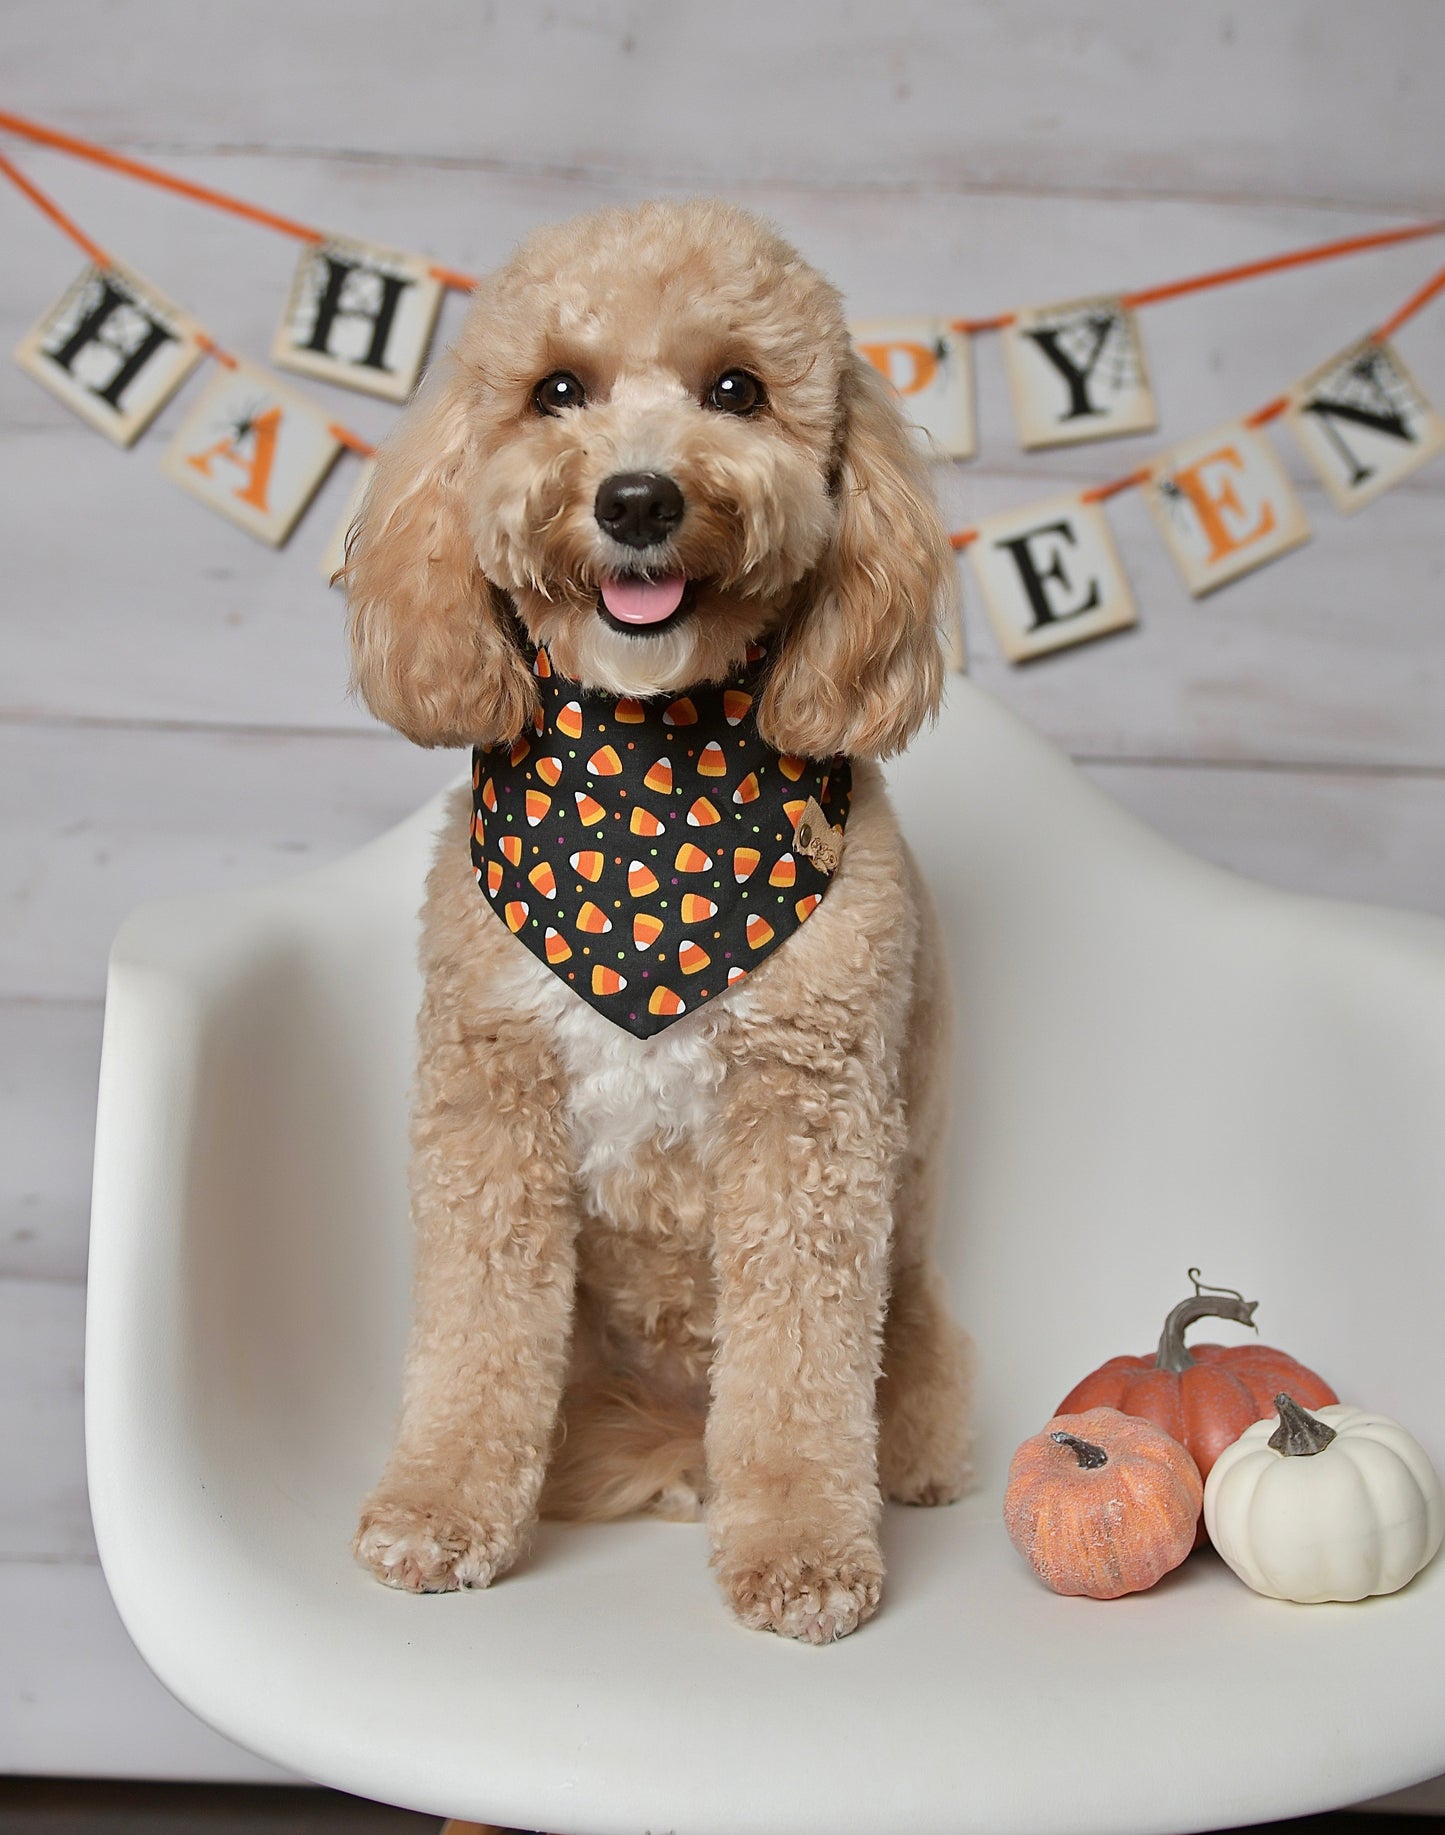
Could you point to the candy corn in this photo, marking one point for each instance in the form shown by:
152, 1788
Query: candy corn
569, 721
745, 860
712, 763
511, 846
702, 814
589, 809
695, 908
593, 921
792, 768
760, 931
589, 864
640, 879
747, 791
660, 776
604, 762
691, 957
538, 803
691, 859
665, 1001
735, 705
645, 930
544, 879
630, 711
607, 980
549, 770
644, 824
680, 713
494, 877
520, 749
556, 948
785, 871
515, 913
805, 907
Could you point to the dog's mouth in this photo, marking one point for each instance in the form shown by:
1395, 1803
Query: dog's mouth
638, 604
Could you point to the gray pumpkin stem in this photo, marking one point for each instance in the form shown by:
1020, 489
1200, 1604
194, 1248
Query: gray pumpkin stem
1090, 1457
1299, 1435
1221, 1303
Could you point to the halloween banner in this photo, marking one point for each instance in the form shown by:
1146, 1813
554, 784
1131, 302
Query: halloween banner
115, 349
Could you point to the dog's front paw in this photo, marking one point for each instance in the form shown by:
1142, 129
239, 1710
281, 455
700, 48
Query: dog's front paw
429, 1544
811, 1596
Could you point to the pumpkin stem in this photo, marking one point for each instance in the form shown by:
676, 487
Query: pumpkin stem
1203, 1303
1089, 1456
1299, 1435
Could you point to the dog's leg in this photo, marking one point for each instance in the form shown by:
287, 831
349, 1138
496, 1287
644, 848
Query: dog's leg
924, 1424
495, 1220
803, 1179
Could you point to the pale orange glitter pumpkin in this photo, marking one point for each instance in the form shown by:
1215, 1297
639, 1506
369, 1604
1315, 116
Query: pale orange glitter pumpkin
1102, 1504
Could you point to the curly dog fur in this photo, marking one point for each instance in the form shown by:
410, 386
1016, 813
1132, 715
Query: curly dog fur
688, 1275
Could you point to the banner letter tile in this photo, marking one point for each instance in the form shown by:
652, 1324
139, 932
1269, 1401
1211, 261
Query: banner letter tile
113, 349
930, 366
1076, 372
252, 450
1224, 505
1363, 423
359, 315
1051, 577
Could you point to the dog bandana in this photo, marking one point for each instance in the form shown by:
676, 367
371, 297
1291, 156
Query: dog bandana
651, 852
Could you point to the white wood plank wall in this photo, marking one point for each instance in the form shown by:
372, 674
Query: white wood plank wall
172, 712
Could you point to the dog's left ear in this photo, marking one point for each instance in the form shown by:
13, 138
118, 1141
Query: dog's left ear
859, 667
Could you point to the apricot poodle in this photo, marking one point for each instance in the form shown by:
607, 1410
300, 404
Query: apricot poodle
656, 544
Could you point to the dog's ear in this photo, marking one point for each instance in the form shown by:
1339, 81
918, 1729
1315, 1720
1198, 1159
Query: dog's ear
859, 666
432, 652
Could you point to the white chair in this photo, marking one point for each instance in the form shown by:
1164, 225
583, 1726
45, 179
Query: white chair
1159, 1065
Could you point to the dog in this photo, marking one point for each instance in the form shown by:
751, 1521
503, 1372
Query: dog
673, 1205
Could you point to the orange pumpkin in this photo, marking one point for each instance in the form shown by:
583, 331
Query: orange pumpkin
1204, 1395
1102, 1504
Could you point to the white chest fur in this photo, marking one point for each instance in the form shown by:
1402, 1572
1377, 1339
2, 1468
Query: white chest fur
624, 1092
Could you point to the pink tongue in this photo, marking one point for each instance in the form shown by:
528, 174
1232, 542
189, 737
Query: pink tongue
637, 601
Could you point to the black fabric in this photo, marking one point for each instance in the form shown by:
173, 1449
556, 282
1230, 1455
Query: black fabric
644, 849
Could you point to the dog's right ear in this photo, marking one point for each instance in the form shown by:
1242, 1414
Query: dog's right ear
432, 652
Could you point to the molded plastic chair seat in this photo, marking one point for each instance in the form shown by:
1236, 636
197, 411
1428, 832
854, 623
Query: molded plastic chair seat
1160, 1065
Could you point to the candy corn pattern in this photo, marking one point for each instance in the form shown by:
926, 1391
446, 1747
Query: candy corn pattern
643, 849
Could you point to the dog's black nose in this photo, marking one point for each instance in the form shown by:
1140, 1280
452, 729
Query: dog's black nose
638, 507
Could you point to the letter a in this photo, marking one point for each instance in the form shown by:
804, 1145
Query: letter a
262, 432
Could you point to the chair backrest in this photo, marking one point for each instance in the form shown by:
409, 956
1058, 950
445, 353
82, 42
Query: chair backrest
1158, 1066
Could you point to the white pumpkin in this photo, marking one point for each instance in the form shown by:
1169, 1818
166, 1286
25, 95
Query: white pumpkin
1338, 1504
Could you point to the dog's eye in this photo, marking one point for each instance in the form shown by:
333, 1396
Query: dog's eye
736, 392
559, 390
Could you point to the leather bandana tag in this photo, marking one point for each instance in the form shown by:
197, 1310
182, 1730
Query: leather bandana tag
818, 840
649, 852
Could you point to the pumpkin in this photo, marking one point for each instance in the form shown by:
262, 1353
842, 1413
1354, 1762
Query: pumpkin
1102, 1504
1205, 1395
1337, 1505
